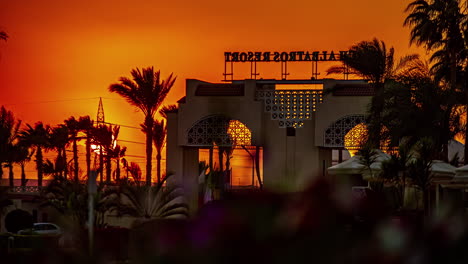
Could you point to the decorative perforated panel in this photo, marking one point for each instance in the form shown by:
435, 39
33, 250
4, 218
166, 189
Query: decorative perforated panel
334, 135
220, 130
290, 107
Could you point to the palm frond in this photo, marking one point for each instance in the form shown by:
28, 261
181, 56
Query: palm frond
168, 109
159, 134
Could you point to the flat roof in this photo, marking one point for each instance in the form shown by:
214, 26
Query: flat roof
296, 81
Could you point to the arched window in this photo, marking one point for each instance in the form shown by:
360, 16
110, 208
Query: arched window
220, 130
335, 133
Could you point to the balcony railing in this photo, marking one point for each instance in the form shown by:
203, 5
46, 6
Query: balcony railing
25, 189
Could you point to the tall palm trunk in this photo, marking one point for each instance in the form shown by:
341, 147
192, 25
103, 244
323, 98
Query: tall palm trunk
88, 153
108, 169
117, 170
11, 176
101, 165
65, 169
60, 162
39, 166
23, 174
75, 158
158, 166
149, 148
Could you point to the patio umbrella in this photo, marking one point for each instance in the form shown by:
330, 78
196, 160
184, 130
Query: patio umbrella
354, 166
461, 174
442, 170
350, 166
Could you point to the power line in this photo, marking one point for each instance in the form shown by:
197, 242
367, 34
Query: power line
128, 141
139, 128
135, 156
55, 101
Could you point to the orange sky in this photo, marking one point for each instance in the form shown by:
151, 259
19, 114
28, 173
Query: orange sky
72, 50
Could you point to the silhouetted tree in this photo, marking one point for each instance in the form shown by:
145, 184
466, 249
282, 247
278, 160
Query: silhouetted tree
73, 128
441, 26
147, 202
117, 153
36, 137
58, 140
86, 126
372, 61
9, 127
159, 138
70, 198
168, 109
105, 136
147, 92
24, 156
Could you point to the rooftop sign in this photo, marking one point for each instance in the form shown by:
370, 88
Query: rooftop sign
284, 56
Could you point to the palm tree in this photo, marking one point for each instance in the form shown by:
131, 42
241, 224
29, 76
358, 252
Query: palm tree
103, 137
440, 25
168, 109
52, 168
73, 128
135, 171
419, 170
9, 127
109, 150
147, 92
147, 202
24, 156
395, 170
36, 137
58, 140
415, 108
372, 61
70, 198
117, 153
86, 125
14, 156
159, 138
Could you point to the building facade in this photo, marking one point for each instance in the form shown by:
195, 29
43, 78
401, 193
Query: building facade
294, 125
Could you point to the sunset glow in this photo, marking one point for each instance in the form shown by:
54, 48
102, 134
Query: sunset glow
62, 56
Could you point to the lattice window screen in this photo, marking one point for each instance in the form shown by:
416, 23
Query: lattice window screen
220, 130
335, 133
290, 107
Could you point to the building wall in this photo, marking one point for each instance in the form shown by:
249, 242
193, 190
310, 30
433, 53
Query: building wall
242, 108
290, 163
336, 107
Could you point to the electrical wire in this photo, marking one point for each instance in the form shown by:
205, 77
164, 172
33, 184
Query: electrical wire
55, 101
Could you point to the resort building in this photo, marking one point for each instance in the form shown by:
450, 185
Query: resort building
290, 130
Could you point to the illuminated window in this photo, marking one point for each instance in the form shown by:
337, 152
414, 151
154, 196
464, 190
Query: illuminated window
335, 133
219, 130
239, 134
290, 107
355, 138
